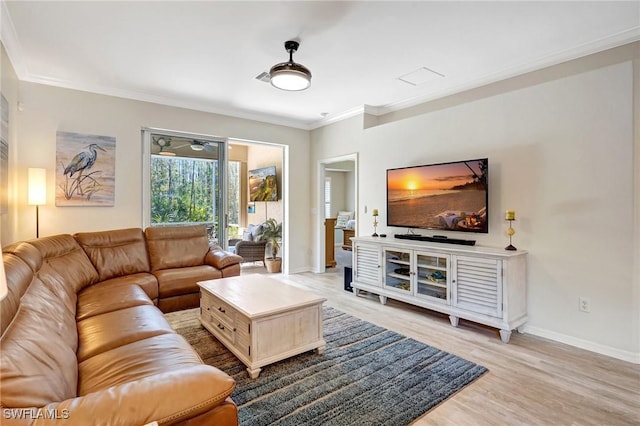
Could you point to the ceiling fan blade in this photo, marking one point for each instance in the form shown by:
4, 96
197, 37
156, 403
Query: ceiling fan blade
209, 148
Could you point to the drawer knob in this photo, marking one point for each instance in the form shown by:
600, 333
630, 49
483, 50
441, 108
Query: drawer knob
220, 326
221, 309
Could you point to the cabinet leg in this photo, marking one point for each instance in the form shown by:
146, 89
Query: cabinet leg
454, 320
505, 335
383, 299
320, 350
254, 373
356, 291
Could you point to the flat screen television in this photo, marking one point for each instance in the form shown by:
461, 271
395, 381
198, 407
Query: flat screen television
447, 196
263, 185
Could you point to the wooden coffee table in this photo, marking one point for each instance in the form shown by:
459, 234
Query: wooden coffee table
261, 320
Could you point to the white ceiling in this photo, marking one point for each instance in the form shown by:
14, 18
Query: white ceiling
205, 55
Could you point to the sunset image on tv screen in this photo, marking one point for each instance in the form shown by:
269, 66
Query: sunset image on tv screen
451, 196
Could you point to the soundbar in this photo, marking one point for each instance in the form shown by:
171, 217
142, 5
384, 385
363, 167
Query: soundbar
435, 239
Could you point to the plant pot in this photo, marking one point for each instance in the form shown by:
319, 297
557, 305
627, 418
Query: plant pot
273, 265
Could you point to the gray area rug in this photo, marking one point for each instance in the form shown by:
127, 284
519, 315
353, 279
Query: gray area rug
368, 375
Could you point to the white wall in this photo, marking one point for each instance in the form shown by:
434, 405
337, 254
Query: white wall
9, 89
338, 194
561, 155
48, 109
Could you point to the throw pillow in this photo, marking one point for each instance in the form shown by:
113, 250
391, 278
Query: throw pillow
342, 220
350, 214
255, 231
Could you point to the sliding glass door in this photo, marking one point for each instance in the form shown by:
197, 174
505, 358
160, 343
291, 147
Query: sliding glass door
185, 181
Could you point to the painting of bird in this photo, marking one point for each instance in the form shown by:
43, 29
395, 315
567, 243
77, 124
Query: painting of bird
85, 172
83, 160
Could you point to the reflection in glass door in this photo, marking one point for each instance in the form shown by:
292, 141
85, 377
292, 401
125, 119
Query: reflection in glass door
187, 182
431, 276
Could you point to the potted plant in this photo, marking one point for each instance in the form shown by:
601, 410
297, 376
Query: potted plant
271, 232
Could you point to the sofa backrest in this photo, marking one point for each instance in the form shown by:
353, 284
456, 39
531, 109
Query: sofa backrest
38, 363
176, 246
66, 257
116, 253
19, 276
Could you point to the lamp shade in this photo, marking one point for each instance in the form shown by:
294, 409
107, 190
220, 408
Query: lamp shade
3, 282
37, 187
290, 76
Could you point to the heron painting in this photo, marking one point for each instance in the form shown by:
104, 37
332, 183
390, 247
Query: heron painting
85, 170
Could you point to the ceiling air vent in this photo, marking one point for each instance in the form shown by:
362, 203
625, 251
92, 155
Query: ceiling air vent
421, 76
264, 77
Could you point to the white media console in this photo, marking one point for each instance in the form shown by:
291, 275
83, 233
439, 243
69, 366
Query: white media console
480, 284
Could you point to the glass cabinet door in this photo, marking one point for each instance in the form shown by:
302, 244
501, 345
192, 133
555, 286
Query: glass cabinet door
397, 270
432, 271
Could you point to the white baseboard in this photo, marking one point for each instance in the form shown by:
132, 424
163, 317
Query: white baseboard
302, 270
633, 357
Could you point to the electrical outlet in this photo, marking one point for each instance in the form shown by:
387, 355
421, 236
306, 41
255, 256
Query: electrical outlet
584, 304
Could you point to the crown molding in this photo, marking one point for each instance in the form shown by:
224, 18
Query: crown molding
15, 53
168, 101
10, 41
605, 43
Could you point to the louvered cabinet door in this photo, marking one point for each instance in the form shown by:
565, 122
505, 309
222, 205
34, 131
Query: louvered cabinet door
477, 285
366, 262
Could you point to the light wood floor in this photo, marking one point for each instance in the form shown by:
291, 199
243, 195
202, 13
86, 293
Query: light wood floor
531, 381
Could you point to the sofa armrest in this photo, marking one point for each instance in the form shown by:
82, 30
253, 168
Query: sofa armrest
220, 259
166, 398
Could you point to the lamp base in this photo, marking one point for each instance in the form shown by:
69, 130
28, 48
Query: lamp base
374, 234
510, 247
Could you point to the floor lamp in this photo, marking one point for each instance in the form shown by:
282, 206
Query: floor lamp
37, 192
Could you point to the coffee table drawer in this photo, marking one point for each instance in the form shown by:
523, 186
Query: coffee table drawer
221, 310
217, 326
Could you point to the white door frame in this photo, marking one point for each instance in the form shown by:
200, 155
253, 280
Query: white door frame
319, 262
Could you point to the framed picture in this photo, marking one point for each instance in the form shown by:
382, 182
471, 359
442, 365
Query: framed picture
85, 169
4, 155
263, 185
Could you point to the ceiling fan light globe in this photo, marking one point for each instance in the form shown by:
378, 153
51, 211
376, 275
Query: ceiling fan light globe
197, 147
290, 76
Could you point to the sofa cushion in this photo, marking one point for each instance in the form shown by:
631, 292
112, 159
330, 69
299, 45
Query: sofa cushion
135, 361
116, 253
174, 282
19, 276
38, 360
62, 291
177, 246
67, 258
27, 252
104, 332
97, 299
220, 258
170, 398
148, 283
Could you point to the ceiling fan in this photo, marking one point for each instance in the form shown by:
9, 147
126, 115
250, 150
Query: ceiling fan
202, 146
165, 143
289, 75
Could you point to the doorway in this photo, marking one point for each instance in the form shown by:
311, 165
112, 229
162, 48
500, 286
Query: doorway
337, 195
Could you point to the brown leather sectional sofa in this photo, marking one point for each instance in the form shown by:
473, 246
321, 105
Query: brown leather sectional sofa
84, 344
